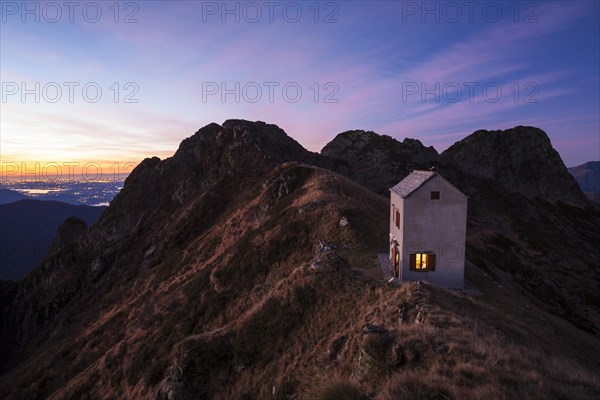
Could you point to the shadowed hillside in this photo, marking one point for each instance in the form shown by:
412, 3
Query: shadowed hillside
28, 228
588, 177
524, 224
10, 196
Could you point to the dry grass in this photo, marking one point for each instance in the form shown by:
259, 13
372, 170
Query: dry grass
457, 355
338, 389
239, 312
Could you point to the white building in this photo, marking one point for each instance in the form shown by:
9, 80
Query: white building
428, 227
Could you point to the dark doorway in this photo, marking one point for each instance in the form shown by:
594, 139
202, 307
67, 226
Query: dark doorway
396, 260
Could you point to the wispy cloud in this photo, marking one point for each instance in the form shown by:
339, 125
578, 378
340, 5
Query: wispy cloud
370, 55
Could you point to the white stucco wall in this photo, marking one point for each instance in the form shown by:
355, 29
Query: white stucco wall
437, 226
396, 233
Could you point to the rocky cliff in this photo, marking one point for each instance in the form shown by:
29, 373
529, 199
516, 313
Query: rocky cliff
520, 159
377, 161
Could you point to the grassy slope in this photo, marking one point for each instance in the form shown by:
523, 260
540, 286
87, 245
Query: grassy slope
236, 313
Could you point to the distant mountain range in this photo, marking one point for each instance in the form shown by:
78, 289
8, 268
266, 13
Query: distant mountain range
588, 177
10, 196
27, 229
245, 267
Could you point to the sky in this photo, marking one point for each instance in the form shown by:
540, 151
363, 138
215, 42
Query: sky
107, 83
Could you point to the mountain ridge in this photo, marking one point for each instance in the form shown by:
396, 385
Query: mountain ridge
226, 271
28, 228
10, 196
377, 161
588, 177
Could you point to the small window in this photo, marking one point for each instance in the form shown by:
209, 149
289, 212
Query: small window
435, 195
393, 212
422, 262
397, 219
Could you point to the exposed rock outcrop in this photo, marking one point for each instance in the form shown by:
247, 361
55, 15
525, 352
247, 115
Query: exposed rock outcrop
69, 232
230, 157
520, 159
377, 161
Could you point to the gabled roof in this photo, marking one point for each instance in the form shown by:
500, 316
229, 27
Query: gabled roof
412, 182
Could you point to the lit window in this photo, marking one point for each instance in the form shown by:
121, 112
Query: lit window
422, 262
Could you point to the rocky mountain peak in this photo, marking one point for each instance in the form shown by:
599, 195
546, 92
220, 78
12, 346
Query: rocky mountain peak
234, 134
521, 158
377, 161
365, 143
353, 140
224, 157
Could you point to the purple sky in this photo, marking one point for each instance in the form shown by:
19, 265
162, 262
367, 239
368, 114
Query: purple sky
435, 71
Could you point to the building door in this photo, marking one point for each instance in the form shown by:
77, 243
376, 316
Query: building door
396, 261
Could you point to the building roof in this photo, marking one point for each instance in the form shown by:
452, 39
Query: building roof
412, 182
